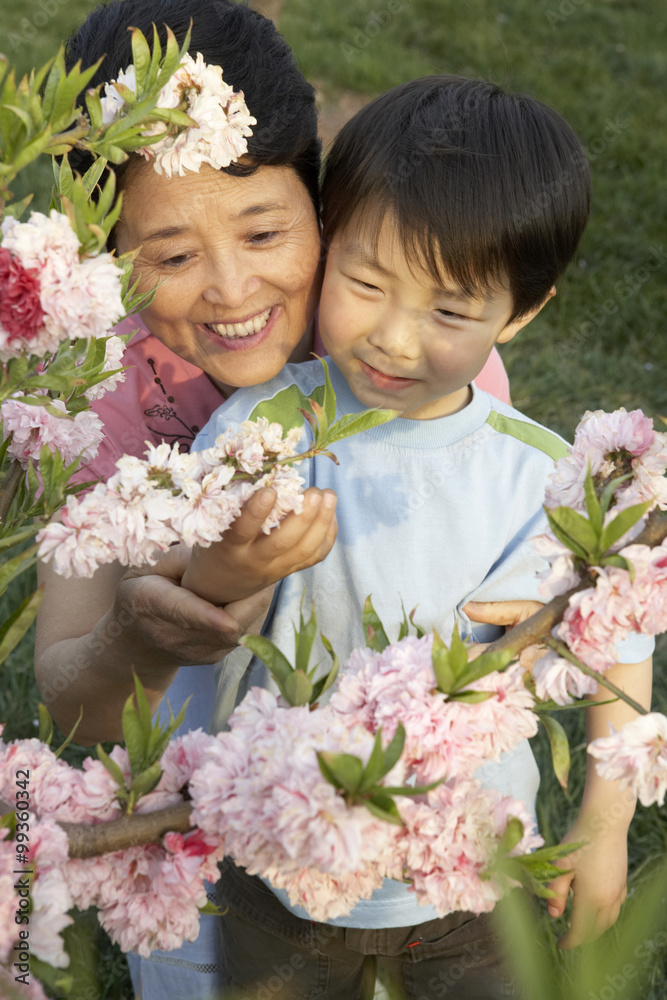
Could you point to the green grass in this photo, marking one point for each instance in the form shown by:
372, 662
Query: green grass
606, 62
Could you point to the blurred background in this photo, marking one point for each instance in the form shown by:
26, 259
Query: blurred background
600, 344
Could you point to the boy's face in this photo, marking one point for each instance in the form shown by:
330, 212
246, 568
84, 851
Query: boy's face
401, 341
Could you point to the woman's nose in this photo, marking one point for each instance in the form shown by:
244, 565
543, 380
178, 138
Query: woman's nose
229, 282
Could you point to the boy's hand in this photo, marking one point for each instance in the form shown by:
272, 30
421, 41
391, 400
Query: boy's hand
246, 560
597, 877
507, 614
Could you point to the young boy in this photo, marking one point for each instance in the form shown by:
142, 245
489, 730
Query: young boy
450, 209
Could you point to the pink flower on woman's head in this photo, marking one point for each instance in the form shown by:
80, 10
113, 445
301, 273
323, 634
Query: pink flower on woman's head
636, 757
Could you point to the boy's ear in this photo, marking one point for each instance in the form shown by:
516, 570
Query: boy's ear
510, 331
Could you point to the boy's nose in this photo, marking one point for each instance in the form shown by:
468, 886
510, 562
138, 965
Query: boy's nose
395, 336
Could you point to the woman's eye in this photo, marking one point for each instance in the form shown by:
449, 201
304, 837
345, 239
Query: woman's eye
263, 237
177, 260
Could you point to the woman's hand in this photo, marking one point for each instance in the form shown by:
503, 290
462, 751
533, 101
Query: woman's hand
246, 560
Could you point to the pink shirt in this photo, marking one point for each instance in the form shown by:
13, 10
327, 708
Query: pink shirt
165, 398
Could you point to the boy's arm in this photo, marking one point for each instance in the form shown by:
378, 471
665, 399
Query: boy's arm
598, 870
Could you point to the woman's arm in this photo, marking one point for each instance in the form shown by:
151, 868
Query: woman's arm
92, 635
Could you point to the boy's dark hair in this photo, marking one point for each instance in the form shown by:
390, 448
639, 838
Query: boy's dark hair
484, 187
253, 56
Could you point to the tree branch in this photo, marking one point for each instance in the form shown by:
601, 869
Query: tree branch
87, 841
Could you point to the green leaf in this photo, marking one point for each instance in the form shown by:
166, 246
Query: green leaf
329, 403
458, 653
304, 637
411, 791
112, 767
298, 688
472, 697
14, 567
485, 663
355, 423
421, 632
270, 655
65, 178
512, 834
93, 174
623, 521
374, 766
394, 749
327, 773
70, 736
210, 909
384, 807
324, 683
146, 780
143, 708
593, 508
45, 724
346, 768
560, 749
376, 637
444, 674
566, 539
17, 624
404, 630
608, 493
619, 561
576, 527
17, 208
133, 735
141, 57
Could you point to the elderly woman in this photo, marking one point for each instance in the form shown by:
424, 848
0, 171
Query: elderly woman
235, 253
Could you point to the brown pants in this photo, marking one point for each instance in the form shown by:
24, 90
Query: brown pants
267, 953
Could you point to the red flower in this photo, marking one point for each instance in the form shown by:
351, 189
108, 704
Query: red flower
21, 313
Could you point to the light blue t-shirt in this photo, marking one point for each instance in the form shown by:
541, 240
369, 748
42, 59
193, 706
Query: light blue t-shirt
431, 513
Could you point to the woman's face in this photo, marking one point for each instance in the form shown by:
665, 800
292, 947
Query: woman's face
237, 259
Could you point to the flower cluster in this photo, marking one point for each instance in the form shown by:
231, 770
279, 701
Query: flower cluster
613, 444
147, 897
147, 505
47, 293
32, 426
222, 119
261, 789
636, 757
443, 737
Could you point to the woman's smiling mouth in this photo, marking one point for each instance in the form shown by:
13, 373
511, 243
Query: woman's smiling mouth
249, 327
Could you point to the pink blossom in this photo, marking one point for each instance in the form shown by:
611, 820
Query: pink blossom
601, 616
114, 350
636, 757
9, 929
613, 444
325, 896
51, 900
21, 315
561, 575
560, 680
451, 840
442, 737
33, 426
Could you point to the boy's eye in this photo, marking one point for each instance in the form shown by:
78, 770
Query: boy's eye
366, 284
447, 314
263, 237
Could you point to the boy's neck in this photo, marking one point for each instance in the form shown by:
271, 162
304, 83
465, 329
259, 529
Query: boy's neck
445, 406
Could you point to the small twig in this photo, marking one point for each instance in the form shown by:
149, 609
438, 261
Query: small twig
562, 650
9, 487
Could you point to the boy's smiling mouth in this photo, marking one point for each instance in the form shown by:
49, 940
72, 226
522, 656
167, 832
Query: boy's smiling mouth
386, 382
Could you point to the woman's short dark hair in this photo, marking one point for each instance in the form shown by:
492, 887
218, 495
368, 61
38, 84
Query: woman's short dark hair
486, 186
253, 56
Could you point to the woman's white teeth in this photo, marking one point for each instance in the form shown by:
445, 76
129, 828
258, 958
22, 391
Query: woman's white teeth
232, 330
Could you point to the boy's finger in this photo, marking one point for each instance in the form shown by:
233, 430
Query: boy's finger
248, 525
506, 613
561, 886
